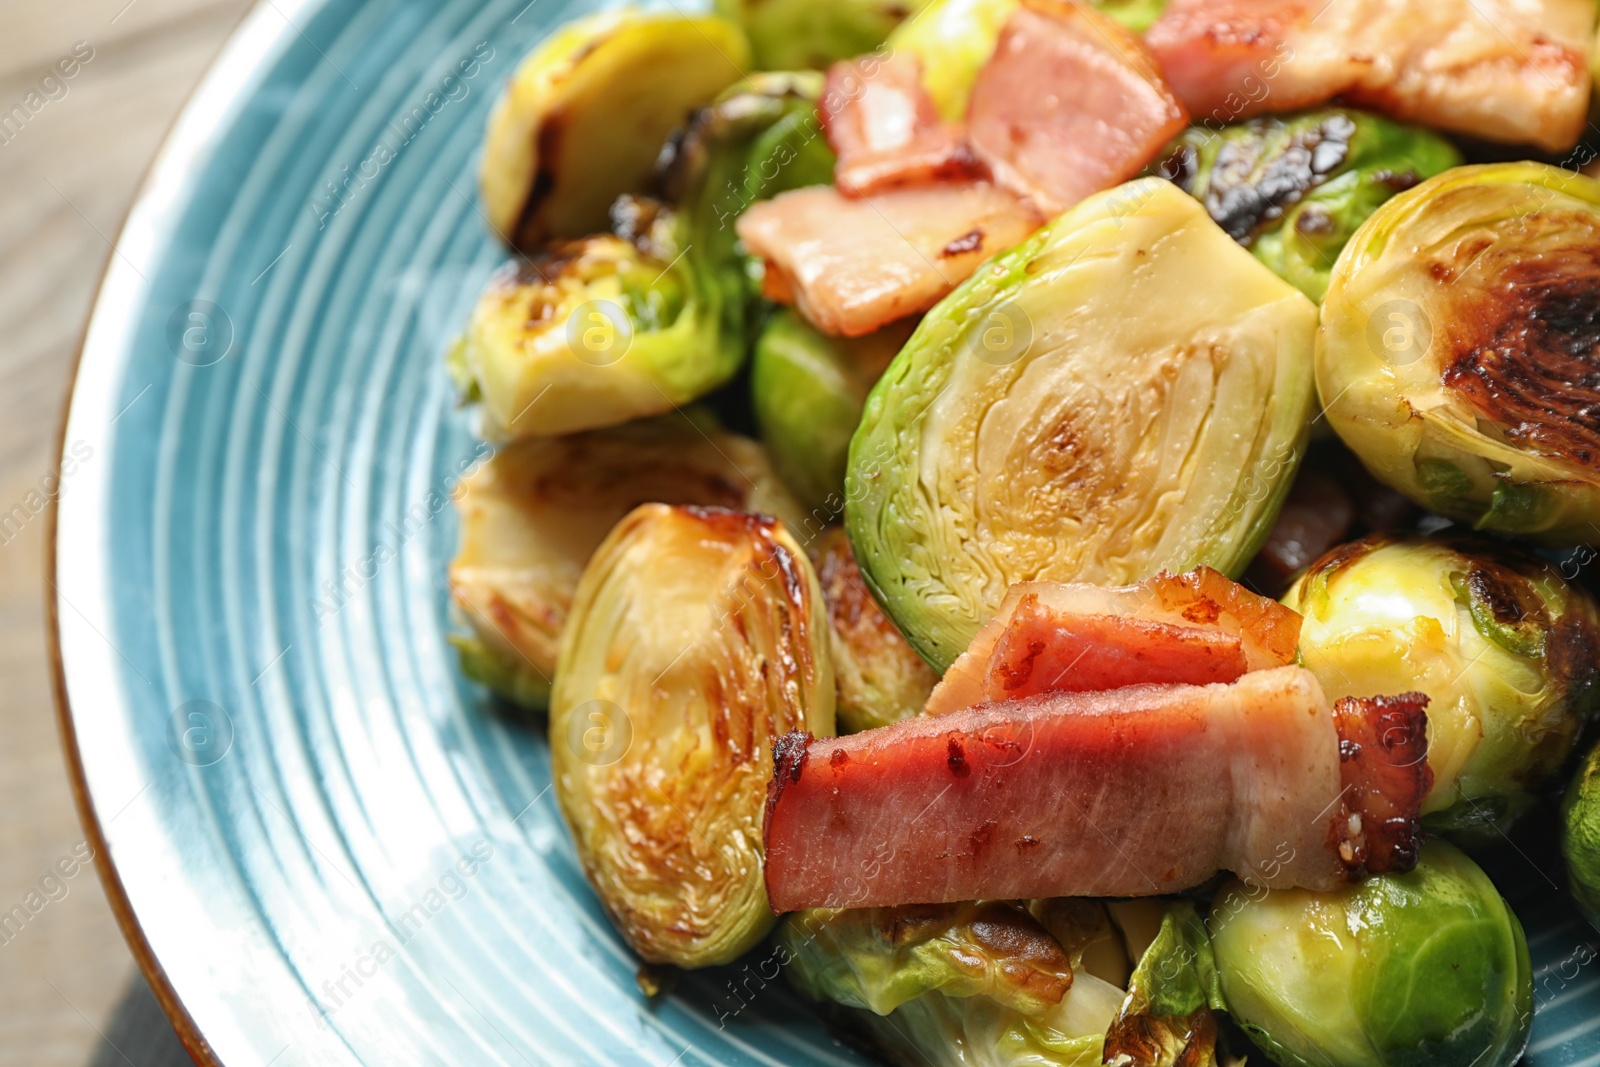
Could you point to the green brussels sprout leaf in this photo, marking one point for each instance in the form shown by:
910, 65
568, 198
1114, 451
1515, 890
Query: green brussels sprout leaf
811, 34
1580, 836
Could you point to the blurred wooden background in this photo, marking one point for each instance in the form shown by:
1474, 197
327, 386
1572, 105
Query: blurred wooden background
67, 176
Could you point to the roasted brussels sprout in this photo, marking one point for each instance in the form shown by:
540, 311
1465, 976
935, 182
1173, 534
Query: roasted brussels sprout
1459, 354
1008, 984
612, 327
1507, 652
697, 637
807, 390
1293, 188
584, 116
1580, 836
1042, 423
963, 985
535, 511
880, 679
810, 34
1411, 970
595, 332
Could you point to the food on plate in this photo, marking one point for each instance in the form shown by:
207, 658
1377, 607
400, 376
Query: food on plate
1580, 836
1059, 416
879, 678
533, 513
1293, 188
1044, 423
1457, 355
1501, 70
583, 117
1107, 111
810, 34
609, 327
1192, 628
1054, 795
1507, 652
851, 265
806, 391
1007, 983
1426, 968
673, 682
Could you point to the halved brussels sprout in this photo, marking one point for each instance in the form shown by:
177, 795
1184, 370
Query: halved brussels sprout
1580, 836
811, 34
1425, 969
1507, 652
880, 679
974, 985
583, 118
1293, 188
807, 390
1014, 984
1459, 354
611, 327
696, 639
534, 512
595, 332
1045, 422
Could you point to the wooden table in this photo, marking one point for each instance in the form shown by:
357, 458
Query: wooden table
68, 173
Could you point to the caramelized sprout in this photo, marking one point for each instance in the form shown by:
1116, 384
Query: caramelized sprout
1459, 354
1043, 423
534, 512
696, 639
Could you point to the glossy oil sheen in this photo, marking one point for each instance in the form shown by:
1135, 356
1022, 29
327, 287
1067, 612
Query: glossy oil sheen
285, 762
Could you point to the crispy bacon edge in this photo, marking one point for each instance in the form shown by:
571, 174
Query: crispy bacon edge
1383, 763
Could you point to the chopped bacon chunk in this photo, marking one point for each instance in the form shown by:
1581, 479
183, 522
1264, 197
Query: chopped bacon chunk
1193, 628
1139, 791
885, 129
1383, 757
1505, 70
1070, 104
852, 265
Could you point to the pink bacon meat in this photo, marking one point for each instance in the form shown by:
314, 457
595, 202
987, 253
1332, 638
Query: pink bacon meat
1194, 628
1505, 70
1138, 791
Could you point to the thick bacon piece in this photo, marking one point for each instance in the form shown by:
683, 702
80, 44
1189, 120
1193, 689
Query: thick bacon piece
852, 265
1138, 791
885, 129
1189, 628
1504, 70
1070, 104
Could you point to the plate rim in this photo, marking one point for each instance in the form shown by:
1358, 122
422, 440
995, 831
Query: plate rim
250, 46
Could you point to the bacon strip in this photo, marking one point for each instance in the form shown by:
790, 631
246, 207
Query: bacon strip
1383, 757
886, 131
853, 265
1138, 791
1070, 104
1191, 628
1505, 70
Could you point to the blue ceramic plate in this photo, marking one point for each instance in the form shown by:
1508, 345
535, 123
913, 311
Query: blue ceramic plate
324, 845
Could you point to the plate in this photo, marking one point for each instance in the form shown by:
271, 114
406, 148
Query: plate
324, 845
